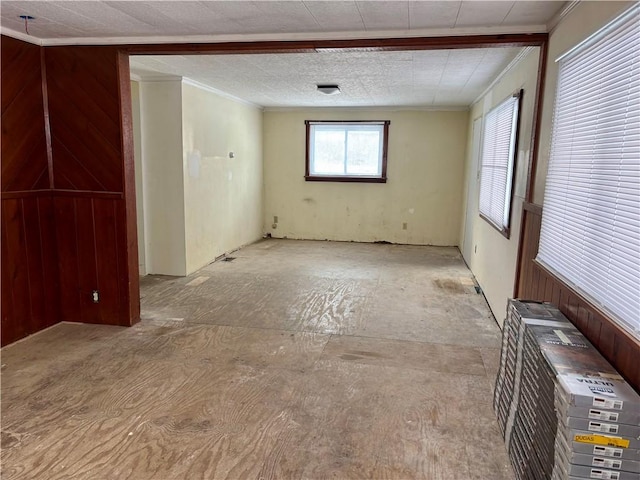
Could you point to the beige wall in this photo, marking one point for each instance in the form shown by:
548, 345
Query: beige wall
137, 155
493, 257
222, 195
196, 202
583, 20
424, 187
162, 177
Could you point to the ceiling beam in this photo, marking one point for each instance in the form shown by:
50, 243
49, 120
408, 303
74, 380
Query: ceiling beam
354, 45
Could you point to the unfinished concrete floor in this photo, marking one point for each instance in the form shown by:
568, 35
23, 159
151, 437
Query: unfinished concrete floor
295, 360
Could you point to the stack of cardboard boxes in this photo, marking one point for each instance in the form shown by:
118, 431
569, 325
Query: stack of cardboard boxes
564, 411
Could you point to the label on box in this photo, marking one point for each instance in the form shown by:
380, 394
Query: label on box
607, 451
603, 427
607, 403
606, 474
602, 415
606, 463
602, 440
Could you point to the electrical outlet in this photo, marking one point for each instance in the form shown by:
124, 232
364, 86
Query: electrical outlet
275, 219
404, 226
95, 296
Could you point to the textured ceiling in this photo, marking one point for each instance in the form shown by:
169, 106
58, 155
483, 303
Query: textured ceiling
412, 79
436, 78
145, 19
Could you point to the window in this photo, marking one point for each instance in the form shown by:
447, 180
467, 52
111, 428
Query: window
353, 151
590, 236
499, 146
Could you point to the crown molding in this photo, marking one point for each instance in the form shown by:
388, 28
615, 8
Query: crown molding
417, 108
358, 35
159, 78
220, 93
516, 60
561, 14
21, 36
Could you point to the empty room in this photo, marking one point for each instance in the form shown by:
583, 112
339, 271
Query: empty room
320, 239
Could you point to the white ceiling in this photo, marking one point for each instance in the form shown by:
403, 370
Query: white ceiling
411, 79
440, 78
140, 20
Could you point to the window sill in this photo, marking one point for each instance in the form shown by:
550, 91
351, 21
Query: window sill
505, 232
320, 178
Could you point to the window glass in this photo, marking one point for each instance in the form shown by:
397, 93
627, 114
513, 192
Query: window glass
346, 151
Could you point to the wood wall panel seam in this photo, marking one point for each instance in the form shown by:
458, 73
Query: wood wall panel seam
95, 249
60, 193
87, 194
27, 257
76, 164
47, 123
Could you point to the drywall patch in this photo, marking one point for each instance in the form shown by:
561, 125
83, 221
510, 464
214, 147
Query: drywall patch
193, 163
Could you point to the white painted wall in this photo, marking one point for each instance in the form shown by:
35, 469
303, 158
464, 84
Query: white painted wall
137, 155
424, 187
493, 257
472, 169
196, 202
222, 195
162, 177
584, 19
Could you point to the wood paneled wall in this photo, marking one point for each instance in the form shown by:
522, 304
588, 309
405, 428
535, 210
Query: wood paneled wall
91, 258
94, 206
84, 111
68, 205
536, 283
29, 254
29, 265
24, 146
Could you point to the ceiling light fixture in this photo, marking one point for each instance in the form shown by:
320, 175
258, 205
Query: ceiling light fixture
331, 89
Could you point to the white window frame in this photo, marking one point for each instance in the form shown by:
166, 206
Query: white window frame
590, 234
381, 126
498, 162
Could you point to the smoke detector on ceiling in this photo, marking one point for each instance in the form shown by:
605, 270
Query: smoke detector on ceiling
330, 89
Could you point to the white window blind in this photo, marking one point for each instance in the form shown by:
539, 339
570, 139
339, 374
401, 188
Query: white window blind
590, 233
498, 154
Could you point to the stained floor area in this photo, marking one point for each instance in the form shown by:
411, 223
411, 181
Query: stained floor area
297, 359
